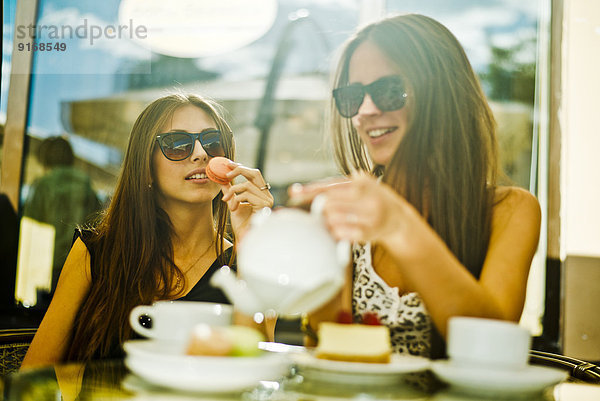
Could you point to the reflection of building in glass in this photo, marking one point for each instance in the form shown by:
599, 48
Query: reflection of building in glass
298, 145
164, 71
297, 150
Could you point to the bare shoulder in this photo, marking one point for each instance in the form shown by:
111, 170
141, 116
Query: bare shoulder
514, 238
516, 206
78, 262
511, 200
75, 278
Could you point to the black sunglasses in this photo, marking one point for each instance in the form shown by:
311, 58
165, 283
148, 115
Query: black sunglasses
177, 146
388, 93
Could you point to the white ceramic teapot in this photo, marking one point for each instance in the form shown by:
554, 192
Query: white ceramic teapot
288, 262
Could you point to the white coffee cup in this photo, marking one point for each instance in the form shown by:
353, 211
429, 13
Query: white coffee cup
174, 320
488, 343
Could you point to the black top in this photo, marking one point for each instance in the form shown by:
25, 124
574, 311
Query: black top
203, 291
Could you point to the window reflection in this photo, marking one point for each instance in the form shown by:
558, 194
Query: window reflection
500, 39
9, 228
92, 93
62, 197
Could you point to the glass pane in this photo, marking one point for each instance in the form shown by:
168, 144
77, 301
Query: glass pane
8, 217
500, 39
88, 88
8, 24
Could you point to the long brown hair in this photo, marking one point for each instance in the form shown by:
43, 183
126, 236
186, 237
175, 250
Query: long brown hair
133, 253
446, 164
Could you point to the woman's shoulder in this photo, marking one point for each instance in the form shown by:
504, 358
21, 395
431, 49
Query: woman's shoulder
78, 263
512, 201
512, 196
86, 239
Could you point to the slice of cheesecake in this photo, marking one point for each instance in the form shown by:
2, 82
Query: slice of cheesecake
354, 343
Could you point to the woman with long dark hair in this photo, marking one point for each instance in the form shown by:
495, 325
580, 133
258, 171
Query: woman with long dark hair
434, 235
163, 235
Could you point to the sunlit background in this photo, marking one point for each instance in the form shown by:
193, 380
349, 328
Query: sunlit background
268, 62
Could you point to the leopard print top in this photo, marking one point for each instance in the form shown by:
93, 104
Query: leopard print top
406, 315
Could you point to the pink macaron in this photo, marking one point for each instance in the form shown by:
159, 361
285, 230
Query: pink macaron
217, 170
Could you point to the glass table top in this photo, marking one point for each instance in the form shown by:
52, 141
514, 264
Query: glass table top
111, 380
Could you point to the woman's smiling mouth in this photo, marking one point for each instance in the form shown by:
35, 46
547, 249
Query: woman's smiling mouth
197, 176
376, 133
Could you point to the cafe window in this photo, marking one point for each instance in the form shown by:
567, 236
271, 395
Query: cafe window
7, 37
502, 40
96, 73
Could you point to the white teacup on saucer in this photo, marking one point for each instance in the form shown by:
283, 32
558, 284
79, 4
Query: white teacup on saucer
174, 320
488, 343
491, 357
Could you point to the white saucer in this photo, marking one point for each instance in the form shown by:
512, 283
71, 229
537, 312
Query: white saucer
165, 364
477, 380
356, 372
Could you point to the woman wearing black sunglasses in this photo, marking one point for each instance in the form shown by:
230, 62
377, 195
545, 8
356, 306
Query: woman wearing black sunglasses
434, 235
163, 235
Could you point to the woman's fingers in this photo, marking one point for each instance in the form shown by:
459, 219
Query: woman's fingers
232, 203
300, 194
230, 191
247, 186
242, 193
254, 184
253, 175
356, 211
347, 221
255, 201
352, 234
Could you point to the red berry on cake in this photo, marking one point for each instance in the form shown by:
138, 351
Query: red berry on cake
371, 319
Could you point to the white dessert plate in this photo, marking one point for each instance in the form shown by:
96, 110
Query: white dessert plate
165, 364
358, 373
477, 380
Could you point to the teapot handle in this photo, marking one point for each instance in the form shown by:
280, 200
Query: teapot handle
343, 250
342, 247
317, 205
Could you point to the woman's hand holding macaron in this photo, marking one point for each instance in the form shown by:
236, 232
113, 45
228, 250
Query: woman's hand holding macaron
243, 198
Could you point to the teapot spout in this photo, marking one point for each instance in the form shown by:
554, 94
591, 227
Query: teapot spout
236, 290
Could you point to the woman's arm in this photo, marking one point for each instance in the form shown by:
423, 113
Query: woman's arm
447, 288
52, 337
366, 210
514, 239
